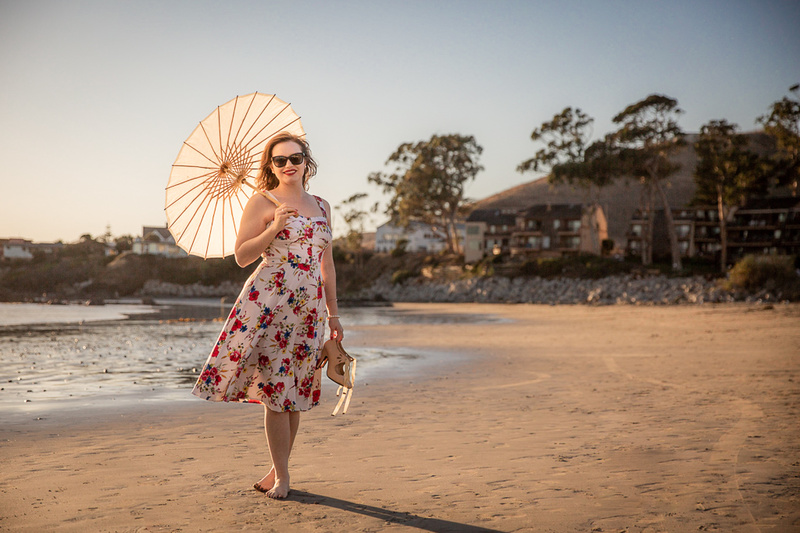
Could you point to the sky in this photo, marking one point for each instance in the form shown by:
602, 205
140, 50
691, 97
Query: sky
97, 97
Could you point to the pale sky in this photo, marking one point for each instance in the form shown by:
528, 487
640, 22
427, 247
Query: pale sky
96, 97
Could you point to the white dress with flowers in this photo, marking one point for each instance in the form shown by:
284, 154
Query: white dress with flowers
267, 351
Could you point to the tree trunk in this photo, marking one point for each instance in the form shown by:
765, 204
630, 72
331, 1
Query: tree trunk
723, 231
647, 227
673, 236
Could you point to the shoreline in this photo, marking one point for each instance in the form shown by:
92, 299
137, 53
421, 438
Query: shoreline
567, 418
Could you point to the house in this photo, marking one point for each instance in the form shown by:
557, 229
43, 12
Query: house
419, 237
16, 249
542, 230
156, 241
765, 226
24, 249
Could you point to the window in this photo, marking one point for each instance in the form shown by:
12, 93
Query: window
492, 229
533, 242
556, 224
684, 246
636, 229
546, 242
574, 225
683, 230
473, 230
505, 228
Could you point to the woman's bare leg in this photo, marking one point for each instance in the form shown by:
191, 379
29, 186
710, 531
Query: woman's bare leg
281, 429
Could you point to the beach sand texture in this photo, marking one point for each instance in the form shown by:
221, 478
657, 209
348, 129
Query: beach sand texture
567, 418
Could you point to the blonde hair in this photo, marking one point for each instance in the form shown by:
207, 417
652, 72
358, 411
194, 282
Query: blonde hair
266, 179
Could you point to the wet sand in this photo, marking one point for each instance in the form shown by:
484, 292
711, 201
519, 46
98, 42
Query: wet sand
564, 418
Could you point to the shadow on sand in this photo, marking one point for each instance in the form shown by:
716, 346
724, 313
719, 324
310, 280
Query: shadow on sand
407, 519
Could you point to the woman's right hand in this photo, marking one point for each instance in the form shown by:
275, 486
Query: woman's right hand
282, 214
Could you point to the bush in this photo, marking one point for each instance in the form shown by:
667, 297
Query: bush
773, 273
578, 266
401, 275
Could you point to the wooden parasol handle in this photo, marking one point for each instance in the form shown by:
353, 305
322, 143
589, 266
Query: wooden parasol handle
265, 194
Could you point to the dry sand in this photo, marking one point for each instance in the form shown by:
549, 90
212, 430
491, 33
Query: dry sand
566, 419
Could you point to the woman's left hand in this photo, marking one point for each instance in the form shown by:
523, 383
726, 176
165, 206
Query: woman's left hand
337, 332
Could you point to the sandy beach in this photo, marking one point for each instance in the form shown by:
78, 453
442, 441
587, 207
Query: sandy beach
564, 418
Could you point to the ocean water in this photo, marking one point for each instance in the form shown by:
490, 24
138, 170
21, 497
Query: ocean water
73, 356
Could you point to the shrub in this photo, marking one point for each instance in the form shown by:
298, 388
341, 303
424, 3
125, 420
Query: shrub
774, 273
401, 275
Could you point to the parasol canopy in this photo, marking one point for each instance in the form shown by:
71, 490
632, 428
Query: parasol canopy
208, 186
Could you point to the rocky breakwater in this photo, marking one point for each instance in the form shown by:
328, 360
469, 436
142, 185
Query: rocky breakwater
624, 289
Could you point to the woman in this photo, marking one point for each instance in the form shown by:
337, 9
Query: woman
267, 351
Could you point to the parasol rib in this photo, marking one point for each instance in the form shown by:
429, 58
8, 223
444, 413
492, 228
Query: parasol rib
268, 137
204, 155
246, 113
188, 192
244, 142
230, 127
267, 125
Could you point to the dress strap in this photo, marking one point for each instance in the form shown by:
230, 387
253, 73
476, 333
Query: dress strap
321, 205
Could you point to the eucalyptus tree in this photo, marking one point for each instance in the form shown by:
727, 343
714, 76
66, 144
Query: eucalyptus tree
355, 215
726, 173
647, 137
567, 156
783, 124
427, 181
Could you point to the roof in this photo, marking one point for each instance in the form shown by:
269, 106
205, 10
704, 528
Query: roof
162, 234
497, 217
553, 211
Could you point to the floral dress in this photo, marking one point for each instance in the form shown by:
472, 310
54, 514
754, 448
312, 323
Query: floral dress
267, 351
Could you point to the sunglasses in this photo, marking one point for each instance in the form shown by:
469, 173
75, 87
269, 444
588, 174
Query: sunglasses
280, 160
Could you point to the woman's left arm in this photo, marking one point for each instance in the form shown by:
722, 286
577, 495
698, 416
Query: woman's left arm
329, 281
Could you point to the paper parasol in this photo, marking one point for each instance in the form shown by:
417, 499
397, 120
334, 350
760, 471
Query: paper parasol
214, 174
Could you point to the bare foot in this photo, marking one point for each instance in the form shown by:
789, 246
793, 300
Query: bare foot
266, 482
280, 490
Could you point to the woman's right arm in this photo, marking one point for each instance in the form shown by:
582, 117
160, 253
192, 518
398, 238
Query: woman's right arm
255, 234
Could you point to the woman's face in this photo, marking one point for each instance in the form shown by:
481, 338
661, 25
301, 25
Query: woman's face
290, 172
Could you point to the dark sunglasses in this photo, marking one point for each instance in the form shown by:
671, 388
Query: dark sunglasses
280, 160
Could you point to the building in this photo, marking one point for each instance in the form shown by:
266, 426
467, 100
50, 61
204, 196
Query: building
488, 232
537, 231
419, 237
156, 241
24, 249
684, 220
765, 226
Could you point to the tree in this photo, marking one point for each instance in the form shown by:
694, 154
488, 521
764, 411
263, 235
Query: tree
354, 216
783, 124
427, 182
568, 157
726, 173
124, 243
648, 135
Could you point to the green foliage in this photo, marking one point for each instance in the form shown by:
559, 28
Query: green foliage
774, 273
400, 248
565, 138
399, 276
783, 124
579, 266
726, 170
428, 180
